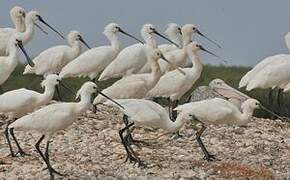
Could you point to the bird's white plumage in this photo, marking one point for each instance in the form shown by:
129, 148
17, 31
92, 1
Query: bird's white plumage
132, 58
172, 32
182, 83
220, 111
93, 61
19, 102
53, 59
145, 113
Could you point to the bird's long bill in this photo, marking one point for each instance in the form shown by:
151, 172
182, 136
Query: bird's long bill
159, 34
111, 99
84, 42
66, 87
201, 34
271, 112
29, 61
203, 49
41, 29
131, 36
178, 68
41, 20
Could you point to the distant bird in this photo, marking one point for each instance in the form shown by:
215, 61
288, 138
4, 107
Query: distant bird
132, 58
30, 20
50, 119
144, 113
51, 60
217, 111
135, 85
19, 102
93, 61
178, 57
174, 85
8, 63
172, 32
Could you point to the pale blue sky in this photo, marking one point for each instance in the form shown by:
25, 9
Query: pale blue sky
248, 30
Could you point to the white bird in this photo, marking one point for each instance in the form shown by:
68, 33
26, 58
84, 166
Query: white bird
136, 85
171, 32
93, 61
174, 85
30, 21
19, 102
144, 113
51, 119
52, 60
8, 63
132, 58
217, 111
17, 15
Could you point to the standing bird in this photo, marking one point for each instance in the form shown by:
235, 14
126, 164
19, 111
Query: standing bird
182, 83
93, 61
8, 63
53, 59
131, 59
136, 85
30, 20
51, 119
18, 102
145, 113
217, 111
172, 32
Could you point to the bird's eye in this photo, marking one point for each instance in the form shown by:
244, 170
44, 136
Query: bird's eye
95, 87
58, 80
158, 54
194, 28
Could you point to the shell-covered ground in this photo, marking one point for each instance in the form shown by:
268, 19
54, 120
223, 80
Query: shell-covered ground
91, 149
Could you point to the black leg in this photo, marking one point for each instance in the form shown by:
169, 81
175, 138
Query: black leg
207, 156
170, 110
57, 88
20, 150
174, 113
8, 141
45, 159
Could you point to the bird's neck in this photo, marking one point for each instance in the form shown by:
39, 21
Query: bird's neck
85, 102
47, 95
174, 37
186, 39
245, 116
149, 40
76, 49
196, 62
171, 126
155, 70
29, 31
19, 24
114, 40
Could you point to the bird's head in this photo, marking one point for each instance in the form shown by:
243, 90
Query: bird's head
251, 104
18, 12
74, 36
172, 29
51, 80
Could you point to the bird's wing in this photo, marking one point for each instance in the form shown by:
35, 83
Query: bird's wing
5, 34
131, 59
91, 61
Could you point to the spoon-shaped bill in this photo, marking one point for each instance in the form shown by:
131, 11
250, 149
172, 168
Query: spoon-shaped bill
84, 42
131, 36
159, 34
205, 50
178, 68
110, 99
201, 34
41, 20
41, 29
29, 61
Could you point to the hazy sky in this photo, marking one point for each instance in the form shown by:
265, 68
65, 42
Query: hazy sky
248, 30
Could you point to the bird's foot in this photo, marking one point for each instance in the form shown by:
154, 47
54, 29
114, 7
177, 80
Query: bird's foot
177, 135
209, 157
21, 154
56, 172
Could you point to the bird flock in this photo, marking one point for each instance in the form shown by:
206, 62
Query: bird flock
145, 70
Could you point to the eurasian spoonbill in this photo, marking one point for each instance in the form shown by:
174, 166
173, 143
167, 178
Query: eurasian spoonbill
132, 58
51, 119
53, 59
172, 32
217, 111
93, 61
145, 113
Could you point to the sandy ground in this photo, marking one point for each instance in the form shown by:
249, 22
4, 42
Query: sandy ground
91, 149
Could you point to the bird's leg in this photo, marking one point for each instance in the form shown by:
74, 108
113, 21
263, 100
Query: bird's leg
129, 135
131, 141
207, 156
47, 157
20, 150
174, 116
57, 88
170, 110
8, 141
49, 167
94, 80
